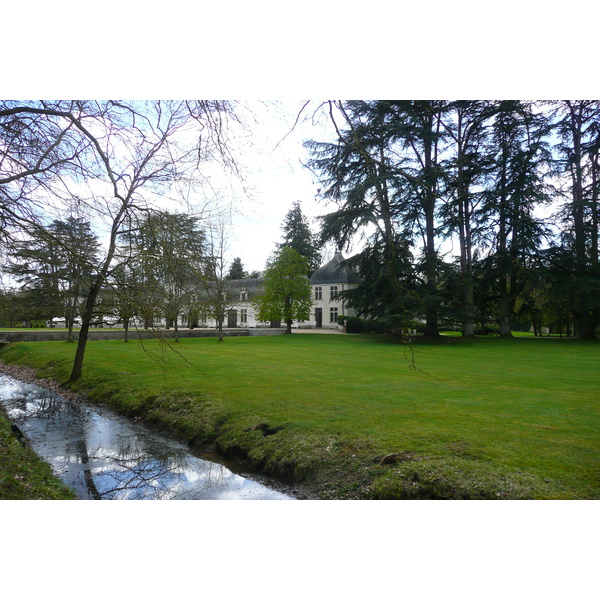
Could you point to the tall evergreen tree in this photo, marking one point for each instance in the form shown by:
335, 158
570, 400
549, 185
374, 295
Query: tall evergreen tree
298, 236
164, 255
520, 159
384, 173
236, 270
417, 127
578, 125
57, 262
466, 126
357, 175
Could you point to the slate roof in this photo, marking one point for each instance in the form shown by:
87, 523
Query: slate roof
253, 286
332, 272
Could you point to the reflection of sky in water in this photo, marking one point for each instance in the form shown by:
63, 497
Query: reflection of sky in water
101, 455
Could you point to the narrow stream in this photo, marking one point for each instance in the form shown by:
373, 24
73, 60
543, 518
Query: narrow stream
103, 456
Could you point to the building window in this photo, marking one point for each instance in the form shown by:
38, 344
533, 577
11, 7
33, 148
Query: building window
333, 314
244, 295
243, 315
318, 293
334, 292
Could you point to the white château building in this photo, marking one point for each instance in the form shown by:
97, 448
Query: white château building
326, 284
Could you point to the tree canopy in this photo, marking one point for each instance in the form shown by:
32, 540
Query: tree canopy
236, 269
298, 236
463, 205
55, 265
164, 254
287, 295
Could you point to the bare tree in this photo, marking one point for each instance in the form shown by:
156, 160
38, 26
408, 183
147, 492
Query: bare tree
118, 158
217, 296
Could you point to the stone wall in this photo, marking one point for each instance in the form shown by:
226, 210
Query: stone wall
37, 335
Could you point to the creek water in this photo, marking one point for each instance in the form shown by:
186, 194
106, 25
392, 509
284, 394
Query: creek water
103, 456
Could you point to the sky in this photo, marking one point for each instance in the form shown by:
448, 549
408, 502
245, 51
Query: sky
277, 178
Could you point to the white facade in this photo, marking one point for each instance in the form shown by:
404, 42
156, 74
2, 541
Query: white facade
328, 306
326, 284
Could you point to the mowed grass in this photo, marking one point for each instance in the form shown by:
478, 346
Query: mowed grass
352, 416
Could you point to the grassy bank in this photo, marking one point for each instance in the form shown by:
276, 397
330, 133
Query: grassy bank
24, 476
348, 418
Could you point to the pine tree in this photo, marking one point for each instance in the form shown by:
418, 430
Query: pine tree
466, 126
579, 159
298, 236
236, 270
384, 173
56, 264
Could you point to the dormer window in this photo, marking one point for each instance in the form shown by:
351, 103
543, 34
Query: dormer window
244, 295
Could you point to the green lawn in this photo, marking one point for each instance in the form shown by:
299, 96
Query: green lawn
481, 418
50, 329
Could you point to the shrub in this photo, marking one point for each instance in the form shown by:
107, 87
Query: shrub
417, 326
390, 324
487, 329
353, 324
520, 325
451, 326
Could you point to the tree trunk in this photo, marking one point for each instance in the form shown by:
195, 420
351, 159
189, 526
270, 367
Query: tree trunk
431, 316
86, 319
464, 231
587, 325
586, 321
505, 328
90, 301
506, 307
70, 332
469, 308
430, 178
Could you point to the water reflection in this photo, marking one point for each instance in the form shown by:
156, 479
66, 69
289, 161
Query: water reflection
101, 455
